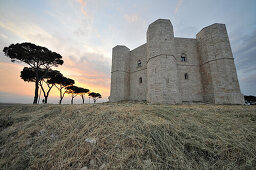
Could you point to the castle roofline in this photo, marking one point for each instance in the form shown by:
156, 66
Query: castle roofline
212, 25
120, 46
160, 21
139, 46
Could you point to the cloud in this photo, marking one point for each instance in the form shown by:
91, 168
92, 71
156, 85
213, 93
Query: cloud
24, 30
91, 70
178, 6
247, 84
3, 36
83, 4
244, 50
131, 18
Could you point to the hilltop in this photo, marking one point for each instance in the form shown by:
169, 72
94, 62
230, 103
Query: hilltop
127, 136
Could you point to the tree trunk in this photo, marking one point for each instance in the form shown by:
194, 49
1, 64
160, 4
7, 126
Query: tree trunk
72, 99
60, 100
45, 99
46, 96
41, 89
60, 95
94, 100
83, 98
39, 97
36, 92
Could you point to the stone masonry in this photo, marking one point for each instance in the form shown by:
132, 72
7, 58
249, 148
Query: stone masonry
174, 70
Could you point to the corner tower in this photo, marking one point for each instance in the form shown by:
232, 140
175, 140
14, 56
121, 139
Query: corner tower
120, 78
161, 64
218, 71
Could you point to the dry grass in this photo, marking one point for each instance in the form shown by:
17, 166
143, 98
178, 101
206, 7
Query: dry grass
128, 136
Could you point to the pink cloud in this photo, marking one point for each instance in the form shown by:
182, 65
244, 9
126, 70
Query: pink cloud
178, 6
83, 4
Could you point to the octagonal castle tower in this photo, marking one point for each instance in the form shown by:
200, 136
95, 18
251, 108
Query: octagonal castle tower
173, 70
218, 71
120, 74
161, 64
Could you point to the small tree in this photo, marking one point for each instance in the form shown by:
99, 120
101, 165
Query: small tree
28, 74
51, 74
82, 93
61, 83
36, 57
73, 91
95, 96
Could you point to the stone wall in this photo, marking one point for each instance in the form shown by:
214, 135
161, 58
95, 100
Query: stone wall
138, 90
191, 88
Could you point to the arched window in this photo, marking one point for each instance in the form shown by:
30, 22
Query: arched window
183, 58
140, 80
139, 63
186, 76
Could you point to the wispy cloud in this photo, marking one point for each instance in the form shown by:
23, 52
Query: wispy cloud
24, 30
3, 36
83, 5
131, 18
91, 70
178, 6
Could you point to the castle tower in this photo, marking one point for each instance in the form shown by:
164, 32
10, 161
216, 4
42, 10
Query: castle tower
161, 64
218, 72
120, 78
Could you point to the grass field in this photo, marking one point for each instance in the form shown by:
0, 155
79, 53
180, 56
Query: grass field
127, 136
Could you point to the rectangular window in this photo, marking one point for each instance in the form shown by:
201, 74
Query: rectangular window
186, 76
140, 80
139, 63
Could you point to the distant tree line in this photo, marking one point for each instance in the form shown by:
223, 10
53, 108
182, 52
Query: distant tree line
250, 100
40, 61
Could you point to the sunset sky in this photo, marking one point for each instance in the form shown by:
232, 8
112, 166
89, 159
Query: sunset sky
85, 31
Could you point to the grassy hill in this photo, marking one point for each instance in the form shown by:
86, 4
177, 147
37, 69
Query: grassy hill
127, 136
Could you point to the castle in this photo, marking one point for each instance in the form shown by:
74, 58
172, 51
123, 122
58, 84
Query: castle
174, 70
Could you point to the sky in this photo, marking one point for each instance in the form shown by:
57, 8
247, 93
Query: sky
85, 31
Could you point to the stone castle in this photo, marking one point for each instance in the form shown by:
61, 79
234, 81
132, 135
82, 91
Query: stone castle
174, 70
